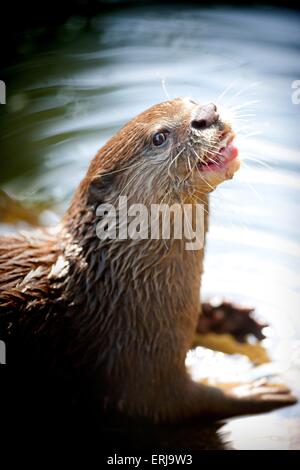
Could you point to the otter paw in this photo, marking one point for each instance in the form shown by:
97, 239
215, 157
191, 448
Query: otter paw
231, 318
261, 396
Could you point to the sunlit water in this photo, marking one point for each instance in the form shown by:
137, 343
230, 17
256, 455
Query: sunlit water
66, 101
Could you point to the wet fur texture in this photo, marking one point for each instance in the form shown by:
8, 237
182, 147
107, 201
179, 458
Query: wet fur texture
111, 321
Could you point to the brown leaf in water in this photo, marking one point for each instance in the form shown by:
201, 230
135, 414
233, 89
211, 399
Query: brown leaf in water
13, 211
230, 318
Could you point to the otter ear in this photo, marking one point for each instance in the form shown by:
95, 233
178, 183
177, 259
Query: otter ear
100, 188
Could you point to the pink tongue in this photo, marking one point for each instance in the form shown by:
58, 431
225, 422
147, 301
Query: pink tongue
230, 151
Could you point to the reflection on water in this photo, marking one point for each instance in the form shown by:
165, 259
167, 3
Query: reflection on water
65, 102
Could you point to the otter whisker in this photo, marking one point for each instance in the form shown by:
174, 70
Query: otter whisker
251, 186
214, 153
213, 161
244, 105
122, 191
261, 162
164, 88
254, 156
209, 185
215, 143
242, 120
174, 160
208, 149
226, 89
214, 195
243, 90
198, 199
244, 116
251, 134
212, 149
243, 128
198, 156
123, 169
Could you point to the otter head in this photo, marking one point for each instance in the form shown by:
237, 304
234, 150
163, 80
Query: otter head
172, 150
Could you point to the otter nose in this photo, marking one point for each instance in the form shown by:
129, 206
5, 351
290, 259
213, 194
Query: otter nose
205, 116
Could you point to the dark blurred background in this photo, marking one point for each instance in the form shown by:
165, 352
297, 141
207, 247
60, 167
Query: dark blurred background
21, 18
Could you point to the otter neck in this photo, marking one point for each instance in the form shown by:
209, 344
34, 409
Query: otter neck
80, 228
131, 288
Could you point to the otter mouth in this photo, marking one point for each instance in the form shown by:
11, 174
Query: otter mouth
221, 155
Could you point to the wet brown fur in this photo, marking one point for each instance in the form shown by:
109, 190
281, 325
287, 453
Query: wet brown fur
117, 317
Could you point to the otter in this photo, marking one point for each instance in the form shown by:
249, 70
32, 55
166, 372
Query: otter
112, 318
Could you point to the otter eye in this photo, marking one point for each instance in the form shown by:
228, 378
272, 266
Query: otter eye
159, 138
